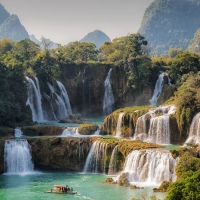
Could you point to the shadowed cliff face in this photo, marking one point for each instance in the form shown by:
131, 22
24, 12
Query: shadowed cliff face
85, 86
60, 153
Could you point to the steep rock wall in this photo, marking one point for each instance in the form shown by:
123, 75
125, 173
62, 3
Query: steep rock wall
60, 153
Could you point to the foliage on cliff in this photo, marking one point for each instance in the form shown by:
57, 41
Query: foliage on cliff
187, 99
188, 177
194, 45
170, 23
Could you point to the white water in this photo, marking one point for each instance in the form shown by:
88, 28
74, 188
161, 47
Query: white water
67, 133
113, 164
159, 130
65, 97
34, 100
118, 132
17, 157
194, 134
108, 101
158, 88
97, 132
150, 166
96, 159
60, 109
18, 132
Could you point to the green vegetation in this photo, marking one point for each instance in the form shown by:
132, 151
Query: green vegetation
195, 43
87, 129
170, 23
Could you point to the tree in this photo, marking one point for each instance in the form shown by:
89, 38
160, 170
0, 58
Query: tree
6, 45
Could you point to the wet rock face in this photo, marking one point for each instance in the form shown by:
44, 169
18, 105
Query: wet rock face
60, 153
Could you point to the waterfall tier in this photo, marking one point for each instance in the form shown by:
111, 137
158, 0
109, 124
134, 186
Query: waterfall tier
96, 159
159, 128
158, 88
108, 101
119, 125
17, 156
18, 132
34, 99
113, 161
153, 166
194, 134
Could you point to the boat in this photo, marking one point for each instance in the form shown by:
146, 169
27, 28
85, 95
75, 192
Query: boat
61, 189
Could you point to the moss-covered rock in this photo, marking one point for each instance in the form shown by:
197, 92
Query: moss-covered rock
87, 129
60, 153
42, 130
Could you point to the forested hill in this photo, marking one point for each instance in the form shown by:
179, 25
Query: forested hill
170, 23
11, 27
195, 43
97, 37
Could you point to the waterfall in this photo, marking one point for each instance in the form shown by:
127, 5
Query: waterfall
96, 159
18, 132
153, 166
108, 101
158, 88
119, 125
113, 162
97, 132
17, 156
159, 130
67, 133
59, 108
194, 134
65, 97
34, 100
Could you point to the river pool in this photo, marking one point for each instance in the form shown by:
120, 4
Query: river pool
88, 186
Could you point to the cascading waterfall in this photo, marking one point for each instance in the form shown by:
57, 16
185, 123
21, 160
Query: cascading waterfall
97, 132
17, 157
159, 130
119, 125
153, 166
158, 88
60, 109
34, 100
113, 163
96, 159
18, 132
67, 133
65, 97
108, 101
194, 134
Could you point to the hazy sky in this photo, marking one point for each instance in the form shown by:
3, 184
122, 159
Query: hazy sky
64, 21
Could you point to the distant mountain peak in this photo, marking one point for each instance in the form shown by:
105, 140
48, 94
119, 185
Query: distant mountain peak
4, 14
97, 37
13, 29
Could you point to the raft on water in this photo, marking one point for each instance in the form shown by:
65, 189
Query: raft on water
61, 189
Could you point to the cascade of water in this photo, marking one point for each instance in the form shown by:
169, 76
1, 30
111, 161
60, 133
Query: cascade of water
153, 166
67, 133
119, 125
17, 156
194, 134
159, 130
158, 88
65, 97
113, 161
60, 110
18, 132
108, 101
34, 100
97, 132
96, 159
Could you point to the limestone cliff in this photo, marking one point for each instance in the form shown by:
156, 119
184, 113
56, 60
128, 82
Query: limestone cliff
60, 153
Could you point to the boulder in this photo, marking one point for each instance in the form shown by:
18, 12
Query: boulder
87, 129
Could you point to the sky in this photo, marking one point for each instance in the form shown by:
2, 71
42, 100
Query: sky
65, 21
